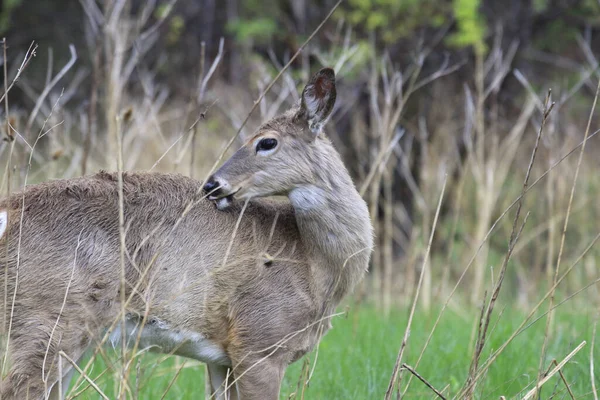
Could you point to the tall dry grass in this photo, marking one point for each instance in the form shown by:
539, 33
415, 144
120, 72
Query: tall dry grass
414, 129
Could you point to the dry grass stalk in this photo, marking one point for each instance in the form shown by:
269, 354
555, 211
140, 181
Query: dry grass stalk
490, 154
564, 234
533, 392
429, 385
302, 378
41, 134
562, 377
191, 133
492, 229
124, 44
62, 307
521, 328
592, 376
48, 87
93, 107
196, 99
6, 174
273, 348
515, 233
194, 134
7, 177
394, 377
172, 381
84, 375
31, 52
387, 103
119, 141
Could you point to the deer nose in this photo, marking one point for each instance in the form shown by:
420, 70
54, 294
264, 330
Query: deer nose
212, 188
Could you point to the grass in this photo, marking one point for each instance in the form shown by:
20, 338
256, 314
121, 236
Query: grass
356, 357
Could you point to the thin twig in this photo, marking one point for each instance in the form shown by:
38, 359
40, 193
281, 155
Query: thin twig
533, 392
60, 313
519, 329
87, 378
93, 106
6, 175
173, 380
19, 241
234, 233
592, 376
562, 377
395, 371
121, 200
49, 87
569, 297
195, 132
211, 70
490, 231
564, 232
276, 346
381, 160
429, 385
28, 56
515, 232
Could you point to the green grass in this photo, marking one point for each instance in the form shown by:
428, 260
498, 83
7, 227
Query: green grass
356, 357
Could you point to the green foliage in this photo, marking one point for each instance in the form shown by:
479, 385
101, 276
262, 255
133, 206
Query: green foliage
471, 26
540, 5
162, 11
559, 34
258, 30
6, 13
257, 21
175, 23
393, 20
176, 26
589, 10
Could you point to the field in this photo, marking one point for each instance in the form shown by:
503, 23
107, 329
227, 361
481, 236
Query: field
482, 184
356, 357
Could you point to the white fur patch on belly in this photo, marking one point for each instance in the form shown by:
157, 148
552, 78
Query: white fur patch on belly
157, 337
3, 222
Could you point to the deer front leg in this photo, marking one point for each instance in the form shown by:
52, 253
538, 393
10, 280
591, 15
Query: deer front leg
259, 380
61, 387
222, 386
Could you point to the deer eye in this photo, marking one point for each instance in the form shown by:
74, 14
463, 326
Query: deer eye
266, 144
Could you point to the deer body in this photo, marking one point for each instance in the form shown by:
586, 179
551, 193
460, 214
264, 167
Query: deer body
251, 299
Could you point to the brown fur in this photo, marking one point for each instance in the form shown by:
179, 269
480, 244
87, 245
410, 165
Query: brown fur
263, 306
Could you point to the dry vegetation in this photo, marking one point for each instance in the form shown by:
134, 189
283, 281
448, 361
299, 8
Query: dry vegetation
505, 204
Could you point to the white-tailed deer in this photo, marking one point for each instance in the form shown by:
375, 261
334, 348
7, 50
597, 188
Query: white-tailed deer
248, 292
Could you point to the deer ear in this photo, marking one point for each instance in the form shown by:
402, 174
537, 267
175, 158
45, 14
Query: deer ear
318, 99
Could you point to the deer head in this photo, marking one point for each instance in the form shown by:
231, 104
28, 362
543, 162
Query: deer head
284, 154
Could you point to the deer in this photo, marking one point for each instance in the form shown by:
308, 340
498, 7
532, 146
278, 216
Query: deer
226, 271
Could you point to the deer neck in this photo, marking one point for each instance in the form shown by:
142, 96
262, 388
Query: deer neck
335, 228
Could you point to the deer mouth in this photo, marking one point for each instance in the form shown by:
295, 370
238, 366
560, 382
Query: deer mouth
223, 201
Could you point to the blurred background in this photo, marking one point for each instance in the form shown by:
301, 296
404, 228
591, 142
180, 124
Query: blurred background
430, 93
430, 90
